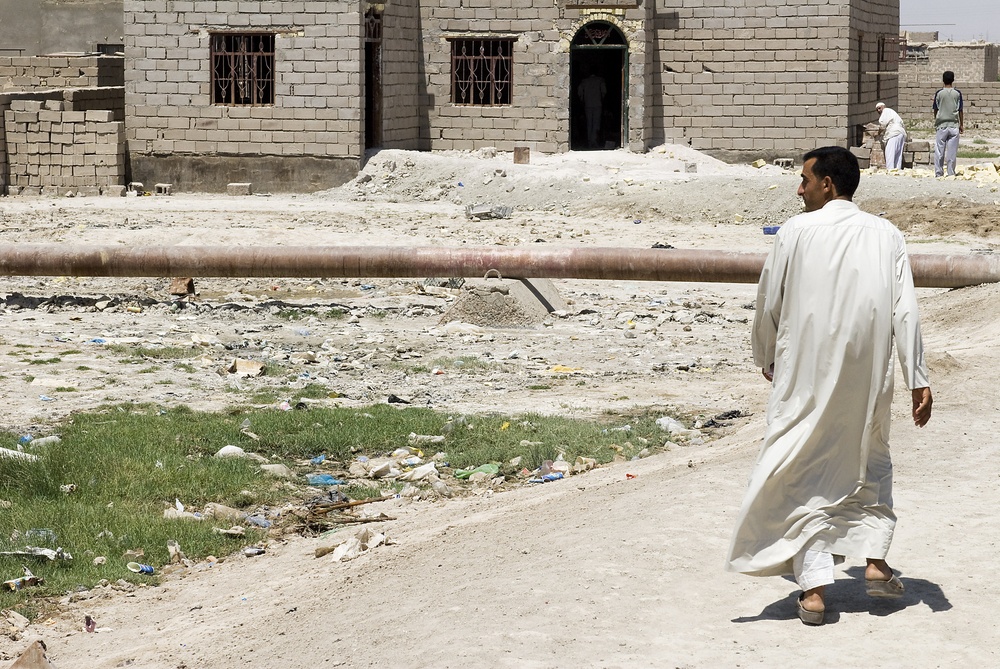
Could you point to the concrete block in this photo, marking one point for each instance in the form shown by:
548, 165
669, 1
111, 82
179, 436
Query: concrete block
163, 189
239, 189
113, 191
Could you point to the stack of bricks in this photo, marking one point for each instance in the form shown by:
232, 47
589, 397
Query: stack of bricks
51, 151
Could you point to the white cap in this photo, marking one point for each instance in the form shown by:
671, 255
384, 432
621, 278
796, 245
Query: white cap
879, 105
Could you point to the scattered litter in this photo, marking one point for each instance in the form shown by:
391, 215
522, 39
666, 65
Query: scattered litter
41, 534
583, 464
318, 460
35, 551
565, 369
25, 581
46, 441
68, 488
253, 551
9, 453
234, 531
485, 211
246, 368
323, 479
545, 478
175, 552
140, 568
629, 477
420, 473
365, 540
415, 439
278, 471
488, 468
259, 521
393, 399
89, 624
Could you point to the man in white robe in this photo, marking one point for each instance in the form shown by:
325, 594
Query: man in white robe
835, 291
893, 134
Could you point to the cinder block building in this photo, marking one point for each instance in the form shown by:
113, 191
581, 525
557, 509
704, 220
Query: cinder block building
289, 94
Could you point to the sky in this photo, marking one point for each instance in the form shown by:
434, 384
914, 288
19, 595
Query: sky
955, 20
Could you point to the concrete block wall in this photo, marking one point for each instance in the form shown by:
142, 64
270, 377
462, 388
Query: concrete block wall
32, 72
538, 116
769, 77
874, 62
310, 138
54, 151
981, 101
973, 63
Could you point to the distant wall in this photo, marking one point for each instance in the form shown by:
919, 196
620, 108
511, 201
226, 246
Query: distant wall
33, 27
981, 101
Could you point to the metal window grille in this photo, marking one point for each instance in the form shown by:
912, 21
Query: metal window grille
243, 69
481, 71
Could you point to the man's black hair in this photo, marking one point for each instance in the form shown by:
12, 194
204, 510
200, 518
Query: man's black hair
948, 78
840, 165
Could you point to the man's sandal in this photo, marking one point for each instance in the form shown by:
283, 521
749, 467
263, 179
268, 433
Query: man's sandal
810, 617
893, 588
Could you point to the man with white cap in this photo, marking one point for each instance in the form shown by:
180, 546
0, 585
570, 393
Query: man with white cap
893, 134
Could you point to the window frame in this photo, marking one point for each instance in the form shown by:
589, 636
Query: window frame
244, 59
482, 70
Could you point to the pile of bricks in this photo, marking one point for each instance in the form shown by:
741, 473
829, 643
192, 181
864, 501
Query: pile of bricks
52, 151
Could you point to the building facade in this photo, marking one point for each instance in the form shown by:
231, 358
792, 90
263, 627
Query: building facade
290, 94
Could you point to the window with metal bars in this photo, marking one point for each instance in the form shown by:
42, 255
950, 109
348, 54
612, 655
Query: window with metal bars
481, 71
243, 69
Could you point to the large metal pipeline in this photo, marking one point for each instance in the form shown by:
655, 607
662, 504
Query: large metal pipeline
939, 271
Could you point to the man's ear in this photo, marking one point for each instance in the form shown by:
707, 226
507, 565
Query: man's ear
830, 187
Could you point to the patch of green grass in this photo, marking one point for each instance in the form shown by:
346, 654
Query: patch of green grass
977, 153
540, 386
185, 367
43, 361
979, 140
130, 462
82, 368
156, 353
72, 351
464, 363
333, 313
65, 389
148, 370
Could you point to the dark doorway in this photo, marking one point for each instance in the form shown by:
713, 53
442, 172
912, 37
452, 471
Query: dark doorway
598, 104
373, 79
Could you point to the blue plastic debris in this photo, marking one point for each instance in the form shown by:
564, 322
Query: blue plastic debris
323, 479
771, 229
318, 459
553, 476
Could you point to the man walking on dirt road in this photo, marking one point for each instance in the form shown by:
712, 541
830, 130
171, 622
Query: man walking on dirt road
835, 293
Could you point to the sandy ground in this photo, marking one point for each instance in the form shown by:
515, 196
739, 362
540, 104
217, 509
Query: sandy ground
618, 567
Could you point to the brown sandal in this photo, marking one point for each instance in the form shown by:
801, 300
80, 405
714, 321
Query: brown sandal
893, 588
810, 617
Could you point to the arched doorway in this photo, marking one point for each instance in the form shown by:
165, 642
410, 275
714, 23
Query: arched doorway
598, 73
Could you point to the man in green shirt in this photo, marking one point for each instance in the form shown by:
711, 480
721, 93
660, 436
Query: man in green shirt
949, 123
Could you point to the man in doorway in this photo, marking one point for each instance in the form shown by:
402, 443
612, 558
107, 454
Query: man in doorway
949, 123
835, 293
893, 134
591, 92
